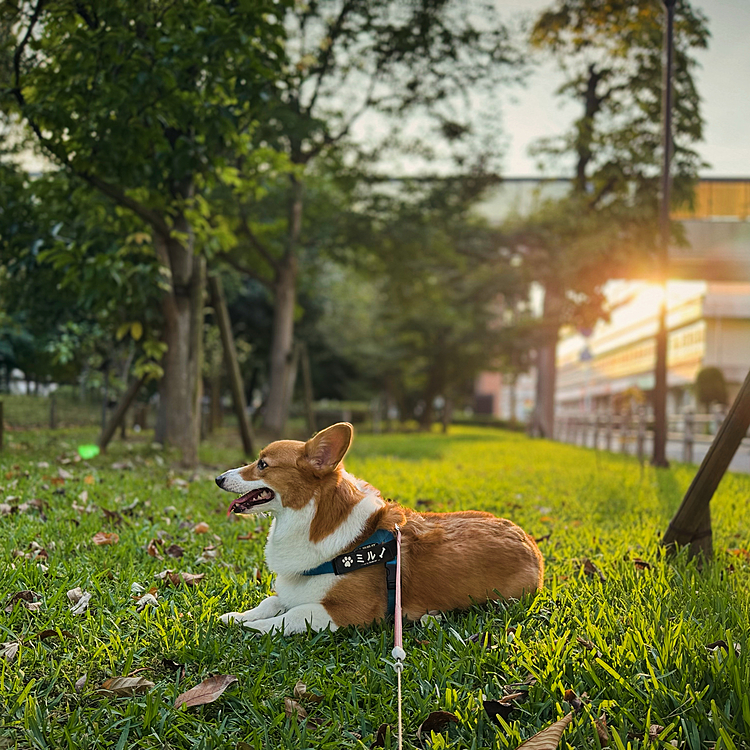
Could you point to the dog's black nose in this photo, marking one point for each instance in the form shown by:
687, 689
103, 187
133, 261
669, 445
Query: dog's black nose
220, 480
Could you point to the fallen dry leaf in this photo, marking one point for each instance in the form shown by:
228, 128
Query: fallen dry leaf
293, 709
152, 548
174, 550
549, 738
79, 599
207, 692
575, 702
81, 683
380, 736
89, 479
591, 570
589, 646
105, 537
62, 474
654, 731
641, 564
601, 729
436, 722
301, 692
175, 579
125, 686
501, 708
147, 600
27, 599
483, 639
201, 528
9, 650
246, 537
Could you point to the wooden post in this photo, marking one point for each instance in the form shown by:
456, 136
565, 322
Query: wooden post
52, 412
692, 521
119, 415
624, 427
687, 444
596, 431
231, 363
641, 432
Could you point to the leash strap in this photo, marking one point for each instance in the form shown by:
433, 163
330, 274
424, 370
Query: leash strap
398, 652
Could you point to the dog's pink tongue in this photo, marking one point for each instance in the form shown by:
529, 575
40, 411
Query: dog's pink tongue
234, 503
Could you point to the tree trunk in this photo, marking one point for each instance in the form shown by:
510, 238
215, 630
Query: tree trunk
231, 363
285, 294
182, 385
543, 424
119, 415
307, 388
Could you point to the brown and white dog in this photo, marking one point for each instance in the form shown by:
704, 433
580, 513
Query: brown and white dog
449, 560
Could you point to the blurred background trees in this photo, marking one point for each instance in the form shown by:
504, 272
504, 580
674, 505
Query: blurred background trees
325, 161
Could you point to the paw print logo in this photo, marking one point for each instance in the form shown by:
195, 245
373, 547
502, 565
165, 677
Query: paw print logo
347, 561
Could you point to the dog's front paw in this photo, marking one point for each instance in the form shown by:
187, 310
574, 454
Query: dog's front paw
234, 618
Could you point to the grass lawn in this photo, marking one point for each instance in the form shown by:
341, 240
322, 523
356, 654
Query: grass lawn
634, 642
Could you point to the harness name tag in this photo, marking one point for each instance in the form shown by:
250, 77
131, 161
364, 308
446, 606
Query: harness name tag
370, 554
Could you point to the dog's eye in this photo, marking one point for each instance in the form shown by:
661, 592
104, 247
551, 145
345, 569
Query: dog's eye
262, 464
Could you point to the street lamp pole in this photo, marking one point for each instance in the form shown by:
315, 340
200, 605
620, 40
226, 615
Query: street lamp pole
659, 457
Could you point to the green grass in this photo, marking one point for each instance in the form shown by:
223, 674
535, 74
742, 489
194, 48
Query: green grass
650, 626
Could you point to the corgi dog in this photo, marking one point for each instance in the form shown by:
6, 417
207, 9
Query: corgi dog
322, 515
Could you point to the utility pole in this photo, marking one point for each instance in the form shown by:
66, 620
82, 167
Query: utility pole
659, 457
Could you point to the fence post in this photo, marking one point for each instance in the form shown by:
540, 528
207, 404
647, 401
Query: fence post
608, 430
596, 431
52, 412
641, 432
687, 445
624, 425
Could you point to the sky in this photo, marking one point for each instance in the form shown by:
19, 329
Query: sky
723, 82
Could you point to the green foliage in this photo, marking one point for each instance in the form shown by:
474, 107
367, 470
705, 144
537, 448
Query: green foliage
711, 387
649, 627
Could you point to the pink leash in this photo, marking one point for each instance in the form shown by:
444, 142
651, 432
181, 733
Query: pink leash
398, 652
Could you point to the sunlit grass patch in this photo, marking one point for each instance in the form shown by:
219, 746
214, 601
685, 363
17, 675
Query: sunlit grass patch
634, 643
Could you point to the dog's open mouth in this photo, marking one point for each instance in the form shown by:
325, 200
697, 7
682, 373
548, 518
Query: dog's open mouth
255, 497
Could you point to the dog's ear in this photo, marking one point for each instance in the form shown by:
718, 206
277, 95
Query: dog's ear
324, 451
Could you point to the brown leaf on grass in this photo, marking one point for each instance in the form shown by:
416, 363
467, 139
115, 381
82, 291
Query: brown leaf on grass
716, 645
112, 515
174, 550
503, 707
201, 528
301, 692
5, 509
125, 686
575, 702
81, 683
207, 692
27, 599
147, 600
589, 646
544, 538
9, 650
641, 564
380, 737
591, 570
549, 738
175, 579
601, 729
483, 639
89, 479
293, 709
79, 599
243, 746
436, 722
152, 548
62, 474
209, 553
105, 537
246, 537
654, 731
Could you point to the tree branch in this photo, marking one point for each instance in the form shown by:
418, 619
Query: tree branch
335, 31
242, 268
257, 244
